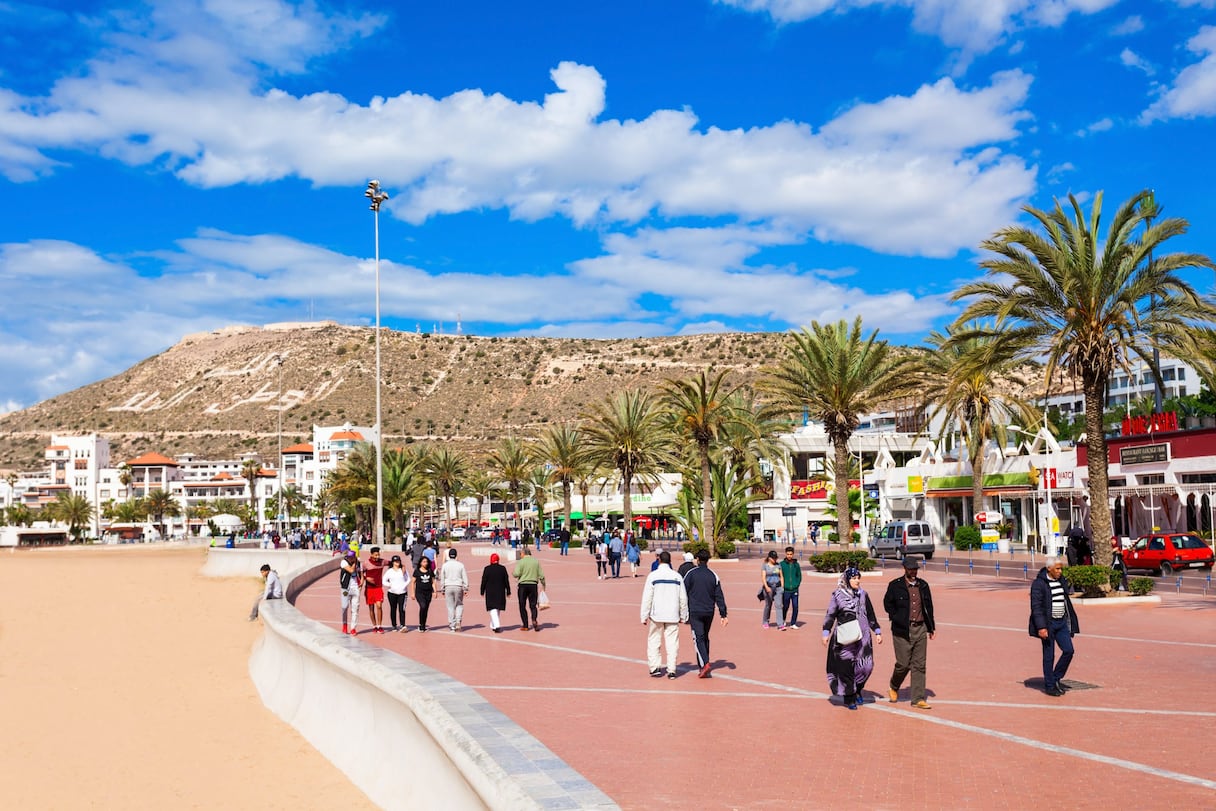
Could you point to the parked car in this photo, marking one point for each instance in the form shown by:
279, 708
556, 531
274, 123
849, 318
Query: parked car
1165, 552
902, 538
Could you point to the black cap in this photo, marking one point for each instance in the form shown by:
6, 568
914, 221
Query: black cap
451, 553
911, 563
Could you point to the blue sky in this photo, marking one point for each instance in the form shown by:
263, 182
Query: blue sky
557, 168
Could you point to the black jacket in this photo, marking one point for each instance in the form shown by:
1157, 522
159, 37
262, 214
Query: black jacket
704, 591
898, 604
1040, 605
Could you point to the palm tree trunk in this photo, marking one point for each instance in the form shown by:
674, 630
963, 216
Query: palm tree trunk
844, 518
707, 502
626, 490
1095, 444
566, 503
977, 483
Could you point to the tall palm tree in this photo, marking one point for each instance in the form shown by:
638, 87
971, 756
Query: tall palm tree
20, 515
836, 375
698, 412
966, 384
584, 476
446, 469
353, 484
482, 486
295, 501
72, 509
561, 448
406, 486
538, 483
1084, 303
509, 461
752, 436
627, 434
250, 469
158, 504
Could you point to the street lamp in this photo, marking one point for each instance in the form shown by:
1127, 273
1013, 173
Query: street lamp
377, 196
278, 359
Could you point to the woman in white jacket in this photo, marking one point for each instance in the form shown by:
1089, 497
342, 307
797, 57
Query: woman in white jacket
397, 584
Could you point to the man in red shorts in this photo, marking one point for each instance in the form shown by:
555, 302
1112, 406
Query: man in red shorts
373, 589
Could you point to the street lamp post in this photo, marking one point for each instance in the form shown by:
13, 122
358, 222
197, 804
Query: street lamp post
279, 521
377, 196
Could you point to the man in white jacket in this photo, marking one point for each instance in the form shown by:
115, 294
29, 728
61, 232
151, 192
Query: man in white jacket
664, 607
455, 582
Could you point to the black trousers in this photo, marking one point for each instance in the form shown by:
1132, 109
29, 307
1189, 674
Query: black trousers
396, 609
700, 624
424, 605
527, 598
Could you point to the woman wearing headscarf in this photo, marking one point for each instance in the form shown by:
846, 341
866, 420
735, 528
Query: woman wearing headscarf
496, 588
850, 665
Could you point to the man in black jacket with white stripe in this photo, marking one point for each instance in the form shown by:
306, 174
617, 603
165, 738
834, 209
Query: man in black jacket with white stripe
704, 593
1054, 622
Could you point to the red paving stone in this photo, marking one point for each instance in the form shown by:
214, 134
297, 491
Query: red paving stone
762, 734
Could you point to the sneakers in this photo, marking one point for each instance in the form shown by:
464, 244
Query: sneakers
345, 628
656, 673
1054, 691
780, 627
496, 630
523, 627
791, 626
922, 705
536, 628
892, 694
764, 625
354, 632
671, 674
850, 702
703, 673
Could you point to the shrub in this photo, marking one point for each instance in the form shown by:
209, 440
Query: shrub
726, 548
695, 546
832, 536
643, 544
1091, 581
968, 537
839, 561
1141, 586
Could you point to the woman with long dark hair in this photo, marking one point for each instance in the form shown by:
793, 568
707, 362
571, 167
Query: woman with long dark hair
398, 587
424, 590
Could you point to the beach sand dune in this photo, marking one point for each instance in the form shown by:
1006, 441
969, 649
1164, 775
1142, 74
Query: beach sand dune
124, 683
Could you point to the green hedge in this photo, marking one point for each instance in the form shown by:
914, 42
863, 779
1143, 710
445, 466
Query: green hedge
726, 547
839, 561
1091, 581
968, 537
1141, 586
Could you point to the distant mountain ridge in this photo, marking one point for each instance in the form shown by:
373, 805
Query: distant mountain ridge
217, 394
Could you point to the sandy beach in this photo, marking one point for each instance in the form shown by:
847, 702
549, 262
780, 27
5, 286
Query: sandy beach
124, 683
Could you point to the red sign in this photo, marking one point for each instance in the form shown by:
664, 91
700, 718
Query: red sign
1133, 426
1048, 478
801, 488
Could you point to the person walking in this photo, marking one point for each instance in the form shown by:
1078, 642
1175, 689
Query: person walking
496, 588
397, 585
634, 554
424, 590
664, 607
688, 565
791, 581
530, 578
564, 537
601, 559
349, 581
771, 588
1054, 622
455, 583
909, 606
850, 656
704, 591
373, 589
616, 548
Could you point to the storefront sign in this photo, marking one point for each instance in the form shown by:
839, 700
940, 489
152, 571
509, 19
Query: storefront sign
802, 488
1133, 426
788, 511
1144, 454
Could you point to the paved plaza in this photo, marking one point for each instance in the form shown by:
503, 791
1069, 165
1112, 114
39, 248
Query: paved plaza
762, 732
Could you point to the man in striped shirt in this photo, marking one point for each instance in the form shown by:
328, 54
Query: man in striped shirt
1054, 622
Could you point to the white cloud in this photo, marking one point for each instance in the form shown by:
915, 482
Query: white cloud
1131, 59
1101, 125
926, 170
974, 27
1193, 93
1132, 25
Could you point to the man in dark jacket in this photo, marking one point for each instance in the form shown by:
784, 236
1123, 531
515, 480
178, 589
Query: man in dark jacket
704, 593
1054, 622
910, 607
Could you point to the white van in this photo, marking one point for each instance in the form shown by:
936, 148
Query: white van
900, 538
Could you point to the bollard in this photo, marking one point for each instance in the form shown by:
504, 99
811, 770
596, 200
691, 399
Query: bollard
1025, 571
971, 567
998, 568
946, 566
1178, 586
1207, 585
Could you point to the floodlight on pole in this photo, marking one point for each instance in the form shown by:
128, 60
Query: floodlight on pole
378, 196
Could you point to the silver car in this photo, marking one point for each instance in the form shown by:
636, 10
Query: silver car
900, 538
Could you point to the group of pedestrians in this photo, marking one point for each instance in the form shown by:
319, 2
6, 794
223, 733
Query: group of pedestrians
370, 582
669, 599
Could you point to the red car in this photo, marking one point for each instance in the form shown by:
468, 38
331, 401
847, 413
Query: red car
1166, 552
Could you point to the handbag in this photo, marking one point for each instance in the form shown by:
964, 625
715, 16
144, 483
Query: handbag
760, 595
848, 632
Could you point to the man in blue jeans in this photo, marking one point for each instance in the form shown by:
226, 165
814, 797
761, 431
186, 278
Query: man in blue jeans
1054, 622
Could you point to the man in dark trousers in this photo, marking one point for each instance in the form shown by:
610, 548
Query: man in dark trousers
704, 592
1054, 622
909, 606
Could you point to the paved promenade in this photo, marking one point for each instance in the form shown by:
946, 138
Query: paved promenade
764, 733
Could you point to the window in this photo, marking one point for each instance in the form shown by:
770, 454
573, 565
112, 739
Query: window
1151, 478
1182, 374
1167, 374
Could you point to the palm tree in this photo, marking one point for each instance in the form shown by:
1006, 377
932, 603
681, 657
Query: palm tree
836, 375
481, 485
72, 509
295, 502
538, 482
250, 469
698, 413
353, 484
446, 469
1085, 304
561, 448
752, 436
158, 504
627, 434
509, 461
966, 383
20, 515
405, 486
